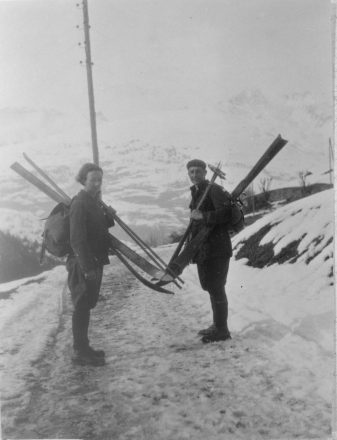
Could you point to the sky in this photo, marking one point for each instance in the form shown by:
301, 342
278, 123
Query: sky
155, 56
221, 78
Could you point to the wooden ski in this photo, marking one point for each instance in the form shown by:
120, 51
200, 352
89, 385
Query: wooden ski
179, 263
137, 259
143, 280
116, 244
216, 173
149, 252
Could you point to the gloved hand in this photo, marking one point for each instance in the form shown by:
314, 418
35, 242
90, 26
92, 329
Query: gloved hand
196, 215
113, 210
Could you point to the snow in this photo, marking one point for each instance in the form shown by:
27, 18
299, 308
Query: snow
21, 224
144, 157
278, 367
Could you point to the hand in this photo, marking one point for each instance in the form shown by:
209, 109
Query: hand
90, 276
112, 210
196, 215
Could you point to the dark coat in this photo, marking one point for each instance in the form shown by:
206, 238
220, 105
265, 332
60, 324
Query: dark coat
216, 212
89, 228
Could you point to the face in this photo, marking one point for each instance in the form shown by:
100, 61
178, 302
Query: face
93, 182
196, 174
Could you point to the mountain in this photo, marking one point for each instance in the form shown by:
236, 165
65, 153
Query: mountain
144, 158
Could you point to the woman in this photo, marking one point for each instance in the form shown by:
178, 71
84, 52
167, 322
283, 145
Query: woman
89, 240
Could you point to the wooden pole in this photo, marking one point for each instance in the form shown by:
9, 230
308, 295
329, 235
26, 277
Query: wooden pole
90, 83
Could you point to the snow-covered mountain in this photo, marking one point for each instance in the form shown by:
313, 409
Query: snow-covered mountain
144, 158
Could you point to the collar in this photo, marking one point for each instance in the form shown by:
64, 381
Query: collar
86, 195
200, 186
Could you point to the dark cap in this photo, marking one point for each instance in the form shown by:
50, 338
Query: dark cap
196, 163
85, 169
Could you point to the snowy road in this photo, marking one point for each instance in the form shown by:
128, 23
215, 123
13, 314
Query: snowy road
161, 382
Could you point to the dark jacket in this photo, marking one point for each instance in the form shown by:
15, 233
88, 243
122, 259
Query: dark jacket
216, 211
89, 225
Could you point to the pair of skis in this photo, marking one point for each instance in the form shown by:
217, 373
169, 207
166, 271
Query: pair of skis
159, 272
181, 258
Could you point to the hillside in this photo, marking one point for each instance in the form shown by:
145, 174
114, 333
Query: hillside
298, 231
144, 157
21, 238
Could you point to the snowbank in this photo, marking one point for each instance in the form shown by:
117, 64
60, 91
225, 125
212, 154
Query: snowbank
28, 319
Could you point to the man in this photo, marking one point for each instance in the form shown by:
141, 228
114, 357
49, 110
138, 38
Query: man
89, 241
213, 257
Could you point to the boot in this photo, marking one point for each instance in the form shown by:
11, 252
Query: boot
86, 357
97, 353
206, 331
80, 326
216, 335
220, 332
211, 328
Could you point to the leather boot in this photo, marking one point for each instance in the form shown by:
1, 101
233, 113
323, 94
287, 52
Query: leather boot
220, 332
85, 357
97, 353
211, 328
206, 331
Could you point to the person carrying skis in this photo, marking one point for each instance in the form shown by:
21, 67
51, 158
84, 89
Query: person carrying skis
213, 257
89, 241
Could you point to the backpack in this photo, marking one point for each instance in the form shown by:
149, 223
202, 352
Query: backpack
237, 222
56, 233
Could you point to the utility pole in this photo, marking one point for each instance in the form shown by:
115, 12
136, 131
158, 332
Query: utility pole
90, 82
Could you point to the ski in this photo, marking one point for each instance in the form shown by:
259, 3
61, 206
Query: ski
147, 283
180, 261
178, 265
137, 259
274, 148
133, 256
216, 173
121, 248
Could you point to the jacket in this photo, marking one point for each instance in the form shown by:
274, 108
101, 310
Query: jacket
89, 229
216, 212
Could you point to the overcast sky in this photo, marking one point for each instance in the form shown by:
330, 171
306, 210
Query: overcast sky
157, 55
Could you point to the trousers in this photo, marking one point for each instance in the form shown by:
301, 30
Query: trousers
84, 295
213, 276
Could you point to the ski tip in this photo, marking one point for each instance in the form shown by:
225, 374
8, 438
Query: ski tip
158, 275
162, 283
166, 278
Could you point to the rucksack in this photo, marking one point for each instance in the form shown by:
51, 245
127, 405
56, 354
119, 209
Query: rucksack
237, 222
56, 233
